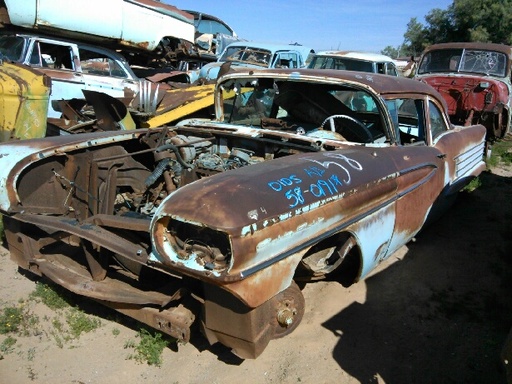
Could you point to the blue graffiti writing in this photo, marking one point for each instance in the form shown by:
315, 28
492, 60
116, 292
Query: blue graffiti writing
323, 187
296, 196
314, 171
284, 182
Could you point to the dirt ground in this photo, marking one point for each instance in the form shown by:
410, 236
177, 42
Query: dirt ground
438, 311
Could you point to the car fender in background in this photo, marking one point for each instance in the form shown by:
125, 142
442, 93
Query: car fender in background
24, 94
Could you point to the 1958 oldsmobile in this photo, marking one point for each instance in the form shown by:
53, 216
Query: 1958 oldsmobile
304, 174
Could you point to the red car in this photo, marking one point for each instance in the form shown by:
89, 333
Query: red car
475, 81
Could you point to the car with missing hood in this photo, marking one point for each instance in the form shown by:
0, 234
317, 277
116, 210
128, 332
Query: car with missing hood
475, 79
213, 222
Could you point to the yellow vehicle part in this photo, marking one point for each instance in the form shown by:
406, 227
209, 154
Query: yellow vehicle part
24, 95
179, 103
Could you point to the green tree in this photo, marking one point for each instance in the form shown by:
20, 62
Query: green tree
391, 51
439, 27
483, 20
463, 20
414, 38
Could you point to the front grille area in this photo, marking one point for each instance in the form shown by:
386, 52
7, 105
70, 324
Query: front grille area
207, 247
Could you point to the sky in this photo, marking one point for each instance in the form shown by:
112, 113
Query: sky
363, 25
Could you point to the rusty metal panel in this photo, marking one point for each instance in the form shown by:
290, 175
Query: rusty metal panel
299, 202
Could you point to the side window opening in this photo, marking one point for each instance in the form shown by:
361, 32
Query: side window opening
56, 56
95, 63
408, 121
390, 69
287, 60
13, 47
437, 123
340, 65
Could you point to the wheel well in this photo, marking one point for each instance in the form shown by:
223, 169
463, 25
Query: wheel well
336, 258
350, 269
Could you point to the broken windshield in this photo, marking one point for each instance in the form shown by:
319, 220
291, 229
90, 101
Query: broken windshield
464, 60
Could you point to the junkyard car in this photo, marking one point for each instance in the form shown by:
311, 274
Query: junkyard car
213, 222
149, 30
354, 61
475, 80
255, 55
73, 67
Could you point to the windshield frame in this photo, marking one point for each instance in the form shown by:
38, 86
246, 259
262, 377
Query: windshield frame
302, 107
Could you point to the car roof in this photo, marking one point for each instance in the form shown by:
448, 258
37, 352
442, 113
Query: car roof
381, 84
506, 49
366, 56
204, 16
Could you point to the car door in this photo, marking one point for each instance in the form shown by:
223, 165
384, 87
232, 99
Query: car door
435, 162
462, 148
421, 168
59, 61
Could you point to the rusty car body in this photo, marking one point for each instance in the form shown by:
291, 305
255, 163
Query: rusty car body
212, 222
475, 79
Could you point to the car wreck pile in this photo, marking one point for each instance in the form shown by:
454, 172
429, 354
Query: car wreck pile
108, 52
303, 175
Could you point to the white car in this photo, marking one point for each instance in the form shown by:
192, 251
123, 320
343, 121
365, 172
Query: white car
354, 61
74, 67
